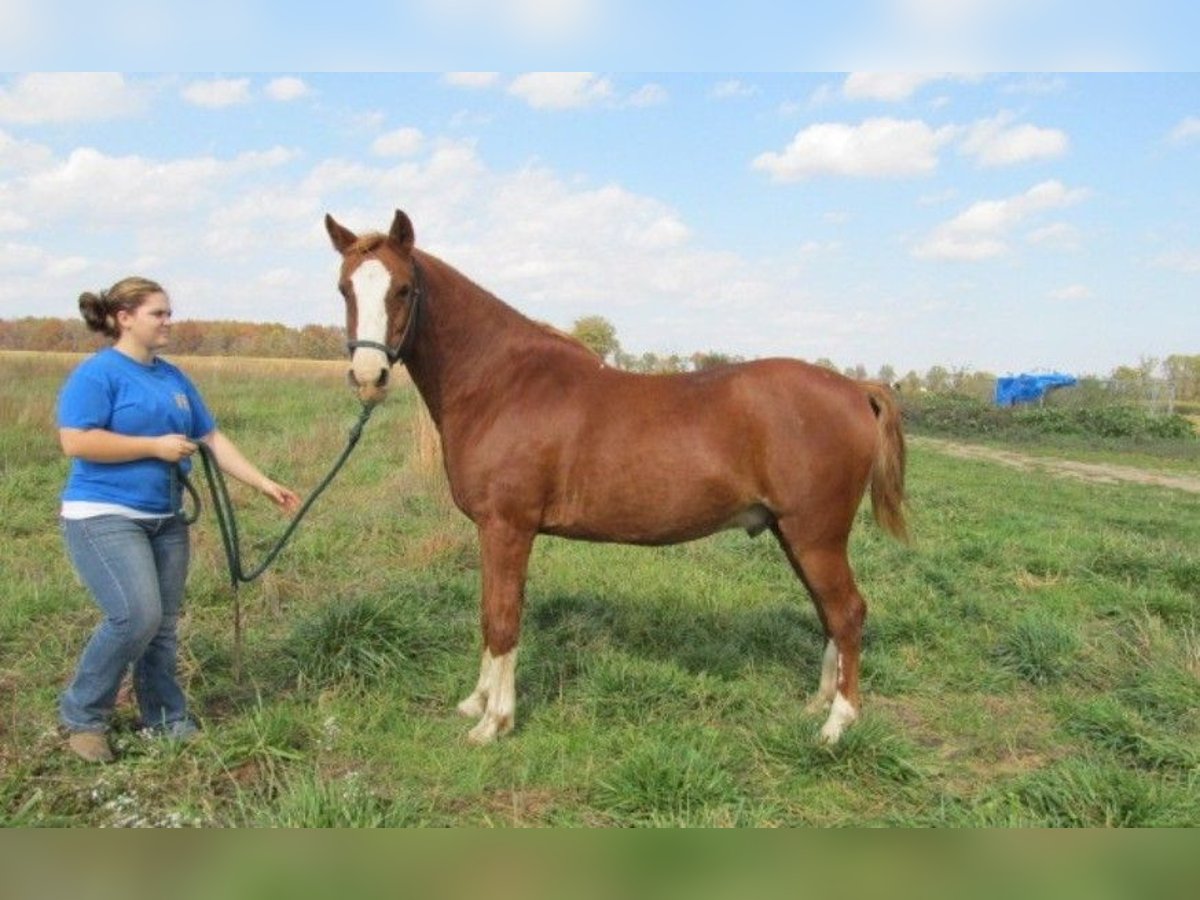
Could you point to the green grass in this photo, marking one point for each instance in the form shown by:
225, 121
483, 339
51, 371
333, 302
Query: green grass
1032, 660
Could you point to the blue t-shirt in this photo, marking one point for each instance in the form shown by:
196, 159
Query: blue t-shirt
113, 392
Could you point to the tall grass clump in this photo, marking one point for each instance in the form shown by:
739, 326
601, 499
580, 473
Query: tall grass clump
669, 784
307, 800
1084, 793
364, 640
1039, 649
1108, 725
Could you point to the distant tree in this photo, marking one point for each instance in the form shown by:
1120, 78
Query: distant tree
826, 363
711, 359
937, 379
647, 363
598, 334
980, 385
626, 361
886, 374
859, 371
1184, 372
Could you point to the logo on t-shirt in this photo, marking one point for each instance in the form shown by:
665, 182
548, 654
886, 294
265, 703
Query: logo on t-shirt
182, 402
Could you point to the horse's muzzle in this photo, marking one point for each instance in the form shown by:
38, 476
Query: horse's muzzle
369, 390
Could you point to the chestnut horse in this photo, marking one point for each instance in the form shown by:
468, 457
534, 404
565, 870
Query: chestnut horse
539, 436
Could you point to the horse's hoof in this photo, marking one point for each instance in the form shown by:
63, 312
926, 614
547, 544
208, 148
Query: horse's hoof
489, 728
482, 734
473, 707
841, 715
830, 733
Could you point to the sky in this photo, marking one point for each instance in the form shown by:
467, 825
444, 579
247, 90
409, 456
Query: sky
998, 222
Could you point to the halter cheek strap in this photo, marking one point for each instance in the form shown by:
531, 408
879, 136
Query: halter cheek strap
400, 352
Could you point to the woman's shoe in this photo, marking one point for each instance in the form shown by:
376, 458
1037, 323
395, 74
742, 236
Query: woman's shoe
92, 746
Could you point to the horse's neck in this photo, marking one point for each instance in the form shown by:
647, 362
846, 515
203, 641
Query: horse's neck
465, 335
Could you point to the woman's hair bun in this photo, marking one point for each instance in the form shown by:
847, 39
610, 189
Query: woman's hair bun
95, 312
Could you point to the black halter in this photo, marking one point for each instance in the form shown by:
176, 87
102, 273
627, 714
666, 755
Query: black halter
400, 352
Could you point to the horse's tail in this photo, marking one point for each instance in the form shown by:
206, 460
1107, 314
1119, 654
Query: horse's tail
887, 472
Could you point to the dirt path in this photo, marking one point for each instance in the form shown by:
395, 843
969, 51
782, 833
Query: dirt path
1103, 473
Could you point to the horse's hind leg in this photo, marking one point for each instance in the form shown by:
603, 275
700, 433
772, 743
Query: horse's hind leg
826, 573
505, 553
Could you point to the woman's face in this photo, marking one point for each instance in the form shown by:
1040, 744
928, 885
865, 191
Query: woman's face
150, 324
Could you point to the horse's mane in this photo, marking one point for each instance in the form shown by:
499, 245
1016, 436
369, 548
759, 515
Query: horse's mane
561, 335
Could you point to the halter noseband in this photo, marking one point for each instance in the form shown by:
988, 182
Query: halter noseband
401, 350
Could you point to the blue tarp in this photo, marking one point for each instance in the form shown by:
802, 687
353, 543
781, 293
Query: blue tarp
1014, 389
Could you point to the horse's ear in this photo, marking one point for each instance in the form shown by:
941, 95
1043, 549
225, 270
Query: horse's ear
341, 237
402, 232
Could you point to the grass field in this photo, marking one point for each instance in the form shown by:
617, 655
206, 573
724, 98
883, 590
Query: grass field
1033, 659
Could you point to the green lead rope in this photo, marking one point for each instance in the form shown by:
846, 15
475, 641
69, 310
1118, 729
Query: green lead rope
227, 521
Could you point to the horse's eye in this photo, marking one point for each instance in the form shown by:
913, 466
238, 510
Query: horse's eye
404, 290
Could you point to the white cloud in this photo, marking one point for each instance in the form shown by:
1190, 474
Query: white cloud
727, 90
367, 120
948, 244
22, 258
401, 142
11, 221
980, 231
1185, 261
1071, 292
996, 142
1055, 236
111, 191
70, 97
285, 89
218, 93
22, 155
66, 266
1186, 130
877, 148
560, 90
938, 197
473, 80
648, 95
892, 87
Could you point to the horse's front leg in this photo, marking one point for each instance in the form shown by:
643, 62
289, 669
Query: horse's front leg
505, 551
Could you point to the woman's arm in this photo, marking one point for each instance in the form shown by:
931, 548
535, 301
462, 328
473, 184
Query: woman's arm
98, 445
232, 462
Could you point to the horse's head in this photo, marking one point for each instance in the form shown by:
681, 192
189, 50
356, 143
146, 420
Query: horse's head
381, 284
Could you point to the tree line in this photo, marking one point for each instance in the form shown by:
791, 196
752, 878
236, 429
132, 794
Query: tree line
1177, 375
190, 337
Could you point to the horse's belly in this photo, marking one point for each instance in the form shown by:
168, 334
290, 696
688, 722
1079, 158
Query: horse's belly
654, 517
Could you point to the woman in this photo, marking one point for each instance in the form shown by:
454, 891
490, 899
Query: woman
127, 419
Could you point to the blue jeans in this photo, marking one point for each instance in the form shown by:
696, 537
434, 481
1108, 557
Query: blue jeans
135, 570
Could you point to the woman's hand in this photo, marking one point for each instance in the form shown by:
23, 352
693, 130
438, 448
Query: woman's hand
173, 447
285, 498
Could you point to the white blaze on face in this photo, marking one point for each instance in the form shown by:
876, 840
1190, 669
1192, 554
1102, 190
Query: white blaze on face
371, 281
